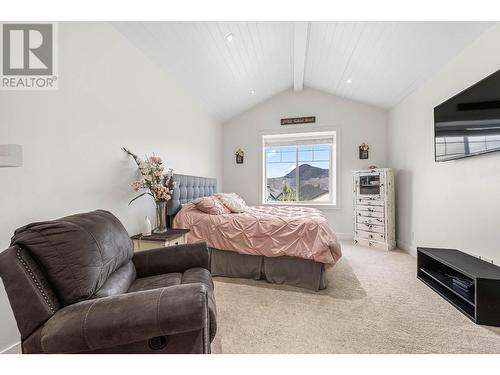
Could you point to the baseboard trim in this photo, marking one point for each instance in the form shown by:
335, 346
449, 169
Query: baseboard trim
13, 349
407, 248
345, 236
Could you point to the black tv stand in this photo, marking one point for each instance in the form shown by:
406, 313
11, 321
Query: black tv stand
481, 303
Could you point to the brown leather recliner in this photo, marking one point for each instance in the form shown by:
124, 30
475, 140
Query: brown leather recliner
76, 286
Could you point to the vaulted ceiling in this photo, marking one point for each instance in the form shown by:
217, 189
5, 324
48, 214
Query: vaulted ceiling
231, 66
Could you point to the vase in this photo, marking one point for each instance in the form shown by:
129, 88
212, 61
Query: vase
146, 230
161, 217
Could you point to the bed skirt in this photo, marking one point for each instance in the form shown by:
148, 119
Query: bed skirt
293, 271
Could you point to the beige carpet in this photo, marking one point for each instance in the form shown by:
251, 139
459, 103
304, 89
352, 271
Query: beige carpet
373, 304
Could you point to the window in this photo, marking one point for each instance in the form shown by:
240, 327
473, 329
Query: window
299, 168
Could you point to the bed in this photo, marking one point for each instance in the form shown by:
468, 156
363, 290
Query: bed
283, 245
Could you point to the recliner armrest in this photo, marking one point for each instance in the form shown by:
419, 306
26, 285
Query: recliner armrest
171, 259
126, 318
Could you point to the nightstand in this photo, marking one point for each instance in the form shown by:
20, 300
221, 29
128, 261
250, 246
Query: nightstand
171, 237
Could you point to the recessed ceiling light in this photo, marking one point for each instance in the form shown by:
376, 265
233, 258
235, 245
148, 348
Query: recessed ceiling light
229, 37
252, 92
349, 81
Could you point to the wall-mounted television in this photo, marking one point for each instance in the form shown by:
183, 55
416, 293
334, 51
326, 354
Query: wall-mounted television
469, 123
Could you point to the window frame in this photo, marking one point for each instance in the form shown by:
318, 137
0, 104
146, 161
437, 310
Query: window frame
334, 165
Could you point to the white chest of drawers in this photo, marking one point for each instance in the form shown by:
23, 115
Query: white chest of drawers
373, 198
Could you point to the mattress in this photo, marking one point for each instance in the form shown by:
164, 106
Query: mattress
300, 232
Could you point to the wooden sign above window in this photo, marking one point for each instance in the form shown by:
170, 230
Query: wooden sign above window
298, 120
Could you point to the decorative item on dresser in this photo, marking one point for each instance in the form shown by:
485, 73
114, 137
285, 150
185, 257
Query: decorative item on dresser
171, 237
146, 230
374, 223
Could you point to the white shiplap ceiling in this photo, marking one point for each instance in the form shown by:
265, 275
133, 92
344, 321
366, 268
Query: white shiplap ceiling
383, 61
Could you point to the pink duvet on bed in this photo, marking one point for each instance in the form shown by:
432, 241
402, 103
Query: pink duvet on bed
270, 231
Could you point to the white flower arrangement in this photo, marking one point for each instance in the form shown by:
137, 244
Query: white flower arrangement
364, 147
161, 186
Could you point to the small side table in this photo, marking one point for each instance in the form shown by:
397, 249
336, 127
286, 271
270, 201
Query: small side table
171, 237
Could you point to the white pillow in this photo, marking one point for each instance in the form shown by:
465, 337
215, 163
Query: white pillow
232, 201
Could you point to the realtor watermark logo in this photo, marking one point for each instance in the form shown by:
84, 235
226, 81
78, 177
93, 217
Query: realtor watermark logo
28, 56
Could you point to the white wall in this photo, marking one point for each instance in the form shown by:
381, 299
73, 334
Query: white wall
356, 123
453, 204
110, 95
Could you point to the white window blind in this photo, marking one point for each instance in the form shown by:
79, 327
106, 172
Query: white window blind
299, 139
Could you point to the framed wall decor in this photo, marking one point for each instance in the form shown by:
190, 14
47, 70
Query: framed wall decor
298, 120
363, 151
239, 156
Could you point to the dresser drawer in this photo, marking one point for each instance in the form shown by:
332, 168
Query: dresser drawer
370, 235
360, 207
370, 228
371, 243
370, 202
370, 214
178, 241
370, 221
141, 244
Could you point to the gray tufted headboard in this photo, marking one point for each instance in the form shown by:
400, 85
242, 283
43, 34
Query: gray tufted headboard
189, 188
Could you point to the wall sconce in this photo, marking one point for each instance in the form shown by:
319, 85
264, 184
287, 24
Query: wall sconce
363, 151
11, 156
239, 156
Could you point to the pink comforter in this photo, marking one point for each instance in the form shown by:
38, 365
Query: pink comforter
270, 231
